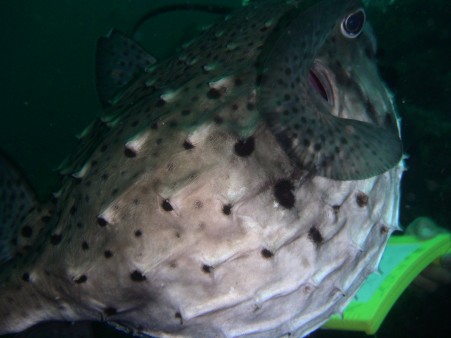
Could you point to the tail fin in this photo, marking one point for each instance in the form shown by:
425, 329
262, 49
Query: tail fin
21, 217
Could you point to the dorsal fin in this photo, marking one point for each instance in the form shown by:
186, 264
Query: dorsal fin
119, 60
20, 215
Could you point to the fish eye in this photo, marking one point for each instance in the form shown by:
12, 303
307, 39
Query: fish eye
352, 24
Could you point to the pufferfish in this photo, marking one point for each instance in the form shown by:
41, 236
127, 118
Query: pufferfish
244, 187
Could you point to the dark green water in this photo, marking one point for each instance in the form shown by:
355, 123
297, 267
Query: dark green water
48, 95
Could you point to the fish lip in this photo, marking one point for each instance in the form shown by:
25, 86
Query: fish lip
324, 77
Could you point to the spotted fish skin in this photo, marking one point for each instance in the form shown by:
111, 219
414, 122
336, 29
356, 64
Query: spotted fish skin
189, 210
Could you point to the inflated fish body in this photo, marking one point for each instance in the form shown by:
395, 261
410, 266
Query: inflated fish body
244, 187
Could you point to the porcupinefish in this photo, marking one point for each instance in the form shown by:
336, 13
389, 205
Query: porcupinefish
246, 186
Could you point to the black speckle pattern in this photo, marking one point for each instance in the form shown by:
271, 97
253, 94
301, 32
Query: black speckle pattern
130, 153
213, 94
55, 239
101, 221
362, 199
26, 277
81, 279
108, 253
227, 209
137, 276
207, 268
188, 145
27, 231
244, 148
267, 253
85, 245
178, 315
110, 311
283, 192
166, 205
315, 235
138, 233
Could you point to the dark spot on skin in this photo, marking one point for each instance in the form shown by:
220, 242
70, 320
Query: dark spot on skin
27, 232
198, 205
108, 254
283, 192
160, 103
188, 145
129, 152
55, 239
45, 219
245, 147
81, 279
207, 268
218, 119
173, 124
85, 245
137, 276
101, 221
266, 253
336, 209
227, 209
384, 230
186, 112
315, 235
238, 81
138, 233
110, 311
104, 177
250, 106
234, 107
178, 315
362, 199
26, 277
166, 205
154, 126
213, 94
73, 210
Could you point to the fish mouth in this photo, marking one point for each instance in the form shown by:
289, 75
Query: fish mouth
320, 80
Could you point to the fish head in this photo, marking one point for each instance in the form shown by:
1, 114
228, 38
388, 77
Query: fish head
345, 75
320, 92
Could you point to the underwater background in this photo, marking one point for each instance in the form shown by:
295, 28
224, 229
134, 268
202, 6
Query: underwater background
48, 95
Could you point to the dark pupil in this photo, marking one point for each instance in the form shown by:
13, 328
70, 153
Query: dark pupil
354, 22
